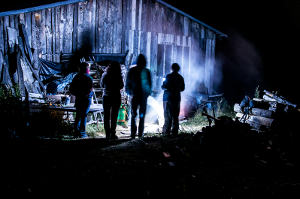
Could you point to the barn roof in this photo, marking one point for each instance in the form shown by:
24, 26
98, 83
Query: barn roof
61, 3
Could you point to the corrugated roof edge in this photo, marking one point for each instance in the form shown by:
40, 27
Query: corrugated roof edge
32, 9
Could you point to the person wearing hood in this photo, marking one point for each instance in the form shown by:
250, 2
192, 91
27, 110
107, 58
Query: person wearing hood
138, 87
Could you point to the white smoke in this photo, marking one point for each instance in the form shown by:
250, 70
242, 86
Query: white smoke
202, 73
155, 112
201, 81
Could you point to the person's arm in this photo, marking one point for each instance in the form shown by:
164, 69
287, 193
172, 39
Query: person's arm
128, 84
242, 105
150, 79
91, 84
165, 85
251, 104
182, 86
72, 88
121, 83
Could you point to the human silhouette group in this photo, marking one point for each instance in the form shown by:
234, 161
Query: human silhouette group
138, 86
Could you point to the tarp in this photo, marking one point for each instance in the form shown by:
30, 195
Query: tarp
50, 69
59, 85
54, 76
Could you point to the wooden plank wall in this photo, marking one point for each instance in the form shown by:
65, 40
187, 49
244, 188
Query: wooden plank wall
115, 26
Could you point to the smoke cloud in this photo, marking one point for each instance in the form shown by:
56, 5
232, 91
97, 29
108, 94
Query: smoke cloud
196, 77
242, 67
237, 68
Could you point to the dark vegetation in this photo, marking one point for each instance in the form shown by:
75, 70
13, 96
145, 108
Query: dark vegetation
18, 122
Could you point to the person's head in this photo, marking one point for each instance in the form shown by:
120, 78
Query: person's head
84, 67
175, 67
114, 68
141, 61
248, 94
247, 97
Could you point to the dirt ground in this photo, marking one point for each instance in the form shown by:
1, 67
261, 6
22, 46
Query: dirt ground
184, 166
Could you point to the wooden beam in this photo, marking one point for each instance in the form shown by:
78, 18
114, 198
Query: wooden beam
75, 25
23, 34
21, 47
49, 34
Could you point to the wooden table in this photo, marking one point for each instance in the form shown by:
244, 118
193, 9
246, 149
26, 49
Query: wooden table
94, 109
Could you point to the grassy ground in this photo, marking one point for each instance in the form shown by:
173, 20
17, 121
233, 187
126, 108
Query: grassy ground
191, 125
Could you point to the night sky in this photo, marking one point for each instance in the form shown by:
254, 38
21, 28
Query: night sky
262, 47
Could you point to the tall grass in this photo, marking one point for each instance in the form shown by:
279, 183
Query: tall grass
95, 130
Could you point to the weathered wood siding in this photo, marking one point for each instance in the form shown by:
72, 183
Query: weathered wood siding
117, 26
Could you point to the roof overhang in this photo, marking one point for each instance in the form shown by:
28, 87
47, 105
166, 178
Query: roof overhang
52, 5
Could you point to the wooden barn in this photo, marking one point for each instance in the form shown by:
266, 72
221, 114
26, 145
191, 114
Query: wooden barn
120, 28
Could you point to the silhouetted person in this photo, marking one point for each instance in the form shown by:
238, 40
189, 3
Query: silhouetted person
172, 86
82, 87
138, 86
112, 82
246, 107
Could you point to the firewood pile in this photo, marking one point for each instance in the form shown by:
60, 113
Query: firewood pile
264, 110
